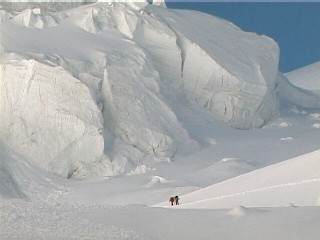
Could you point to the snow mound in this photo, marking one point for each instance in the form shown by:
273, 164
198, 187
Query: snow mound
295, 95
316, 125
307, 77
241, 211
238, 211
155, 181
266, 187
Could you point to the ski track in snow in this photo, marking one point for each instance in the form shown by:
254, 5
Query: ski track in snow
284, 185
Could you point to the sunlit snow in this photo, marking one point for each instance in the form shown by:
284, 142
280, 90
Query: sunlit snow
108, 109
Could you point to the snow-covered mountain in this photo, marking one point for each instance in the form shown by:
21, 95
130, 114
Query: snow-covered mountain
175, 102
97, 90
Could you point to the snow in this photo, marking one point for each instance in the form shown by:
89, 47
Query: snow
34, 93
238, 83
208, 71
306, 77
265, 187
108, 109
295, 95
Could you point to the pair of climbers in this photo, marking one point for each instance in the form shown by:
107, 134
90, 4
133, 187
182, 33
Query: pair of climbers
174, 200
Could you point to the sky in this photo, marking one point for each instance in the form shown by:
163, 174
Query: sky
293, 25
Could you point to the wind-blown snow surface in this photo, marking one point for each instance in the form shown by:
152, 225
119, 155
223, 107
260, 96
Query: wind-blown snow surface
272, 186
307, 77
107, 91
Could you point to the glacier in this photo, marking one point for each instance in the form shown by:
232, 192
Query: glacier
93, 89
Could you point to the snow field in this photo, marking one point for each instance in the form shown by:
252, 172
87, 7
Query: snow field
295, 181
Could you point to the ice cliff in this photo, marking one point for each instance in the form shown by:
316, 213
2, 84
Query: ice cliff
93, 90
51, 116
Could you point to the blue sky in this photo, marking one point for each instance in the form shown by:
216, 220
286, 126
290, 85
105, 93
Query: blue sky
295, 26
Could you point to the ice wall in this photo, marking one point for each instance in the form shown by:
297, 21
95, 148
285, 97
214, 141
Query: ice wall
91, 103
212, 64
209, 63
93, 91
51, 117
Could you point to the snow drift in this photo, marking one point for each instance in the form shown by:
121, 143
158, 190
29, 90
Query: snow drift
294, 182
295, 95
93, 91
307, 77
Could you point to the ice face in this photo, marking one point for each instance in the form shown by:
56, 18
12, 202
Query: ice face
99, 89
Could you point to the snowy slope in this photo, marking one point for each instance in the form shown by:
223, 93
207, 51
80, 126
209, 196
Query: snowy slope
296, 95
307, 77
21, 179
295, 181
301, 87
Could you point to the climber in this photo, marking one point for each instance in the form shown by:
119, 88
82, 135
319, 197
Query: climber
176, 199
171, 200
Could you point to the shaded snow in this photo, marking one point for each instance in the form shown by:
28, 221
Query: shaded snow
307, 77
295, 95
138, 222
